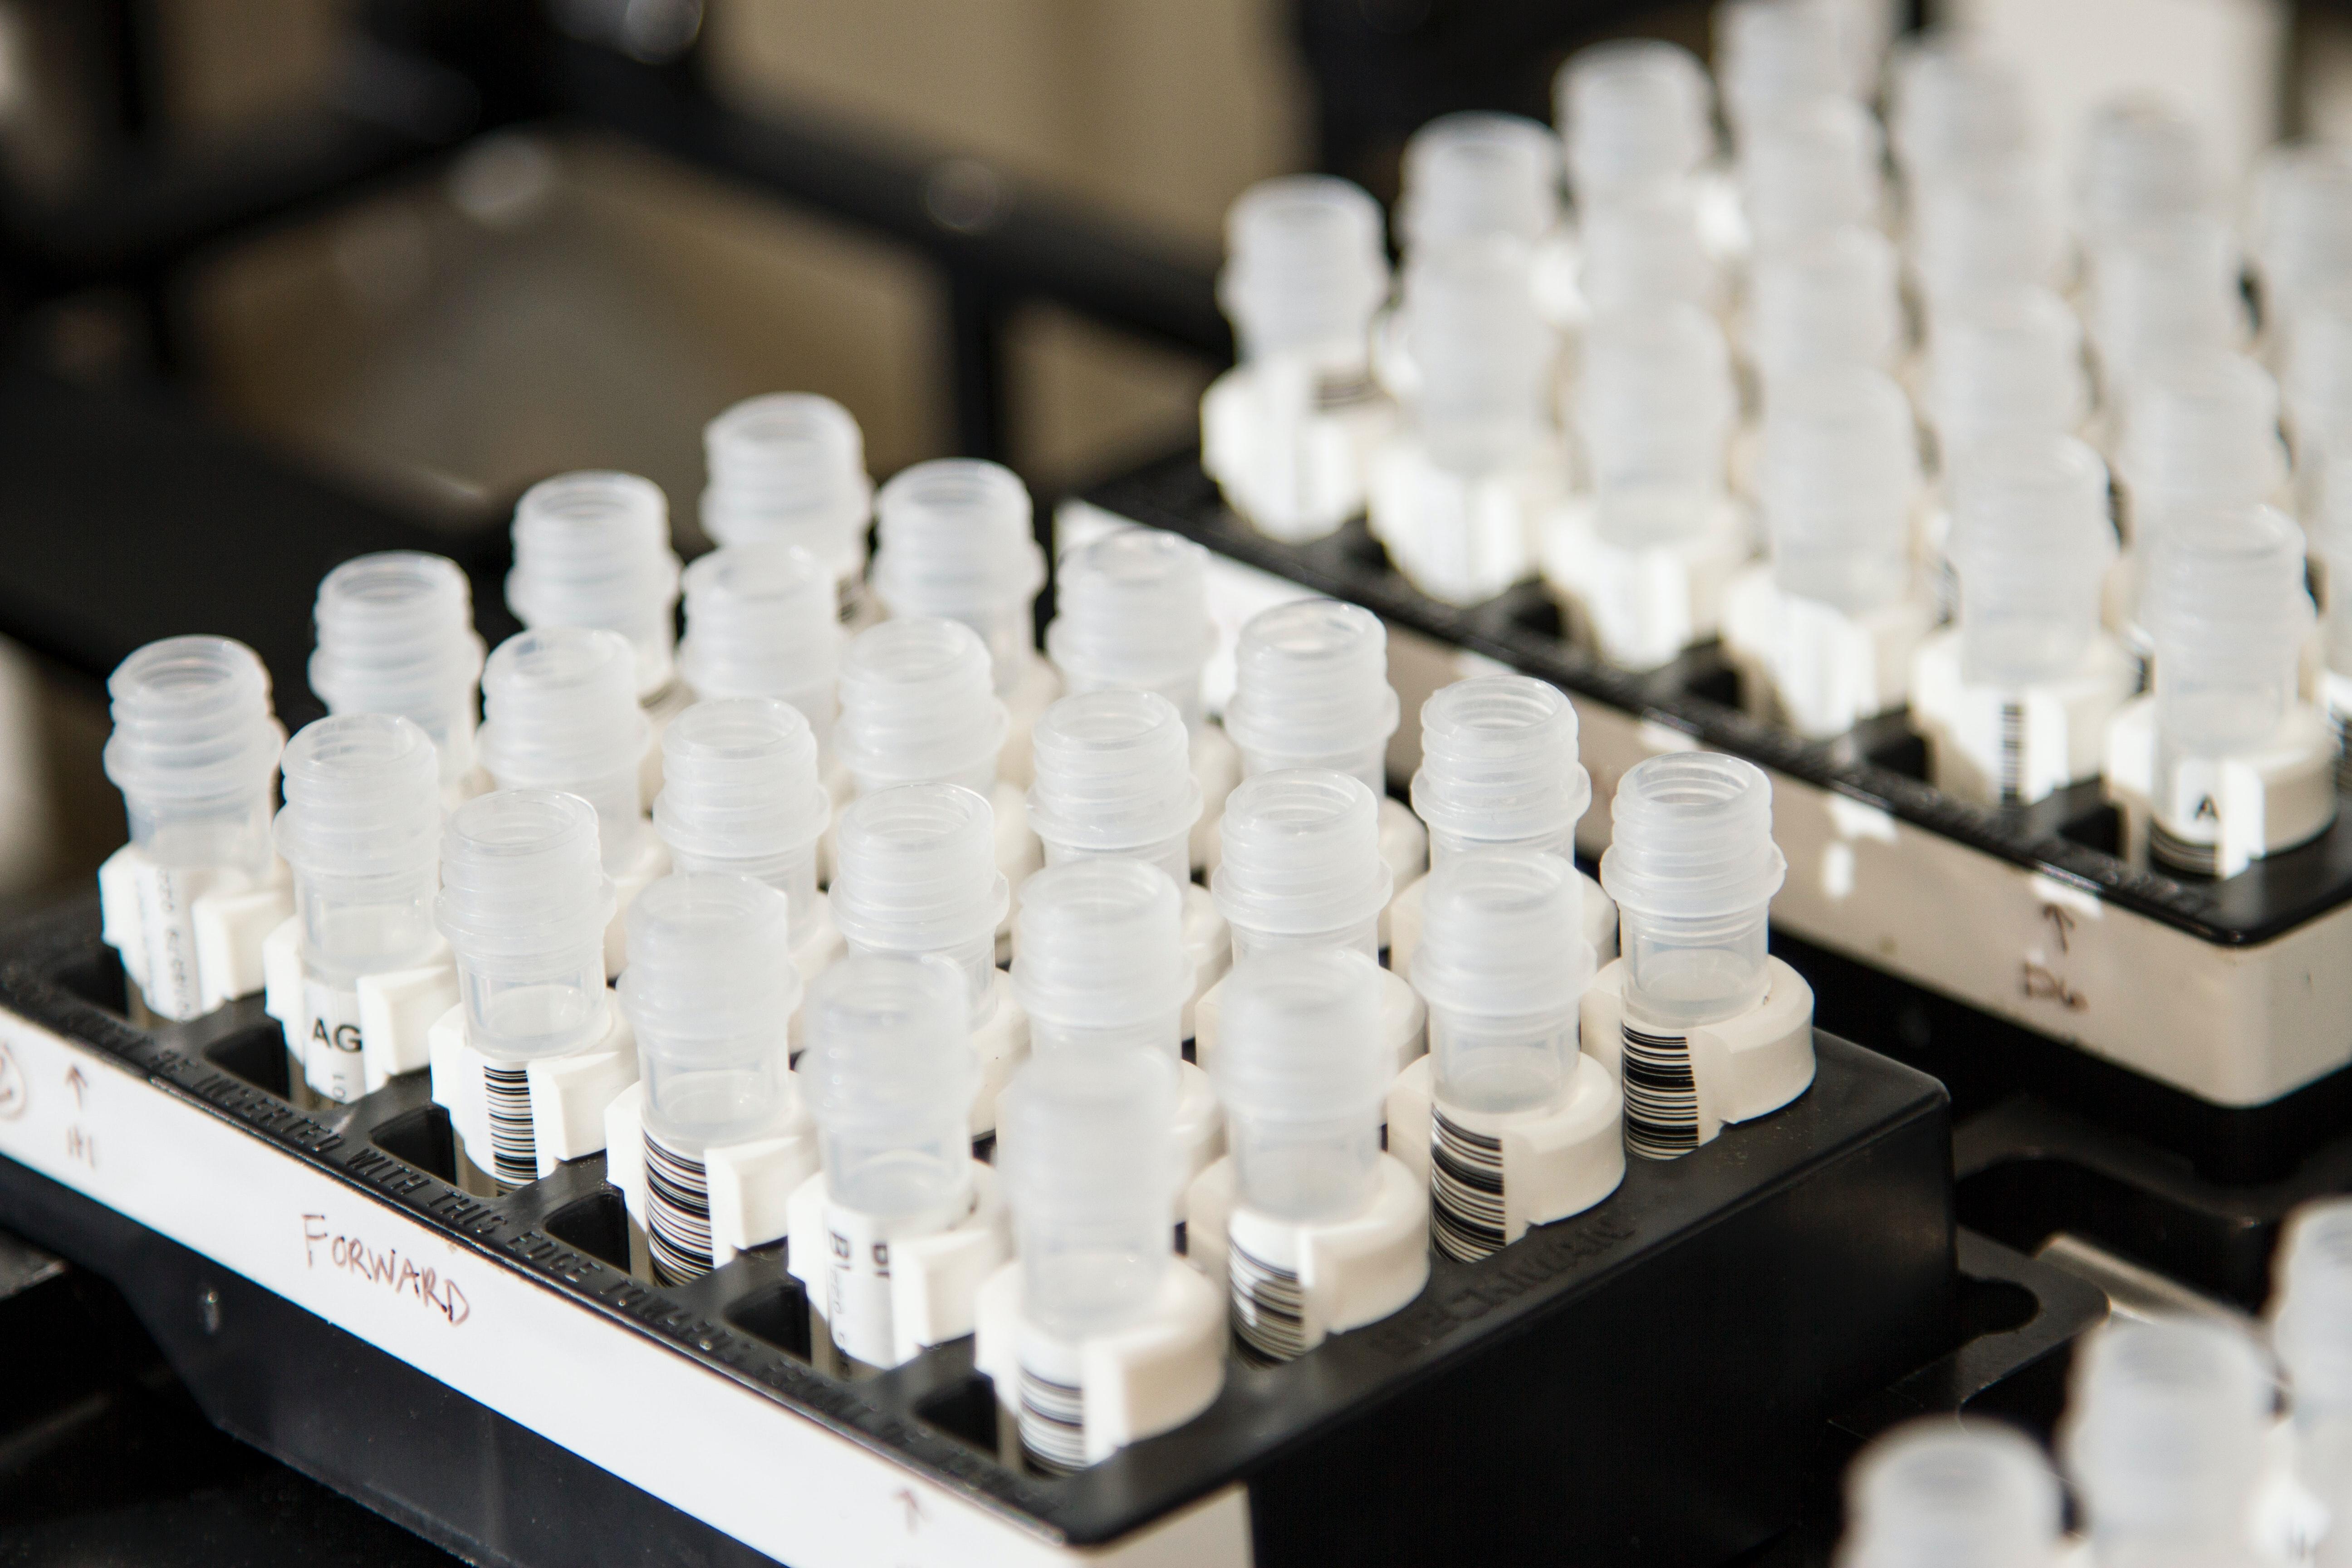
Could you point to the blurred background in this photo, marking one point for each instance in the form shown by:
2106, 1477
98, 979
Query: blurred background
420, 253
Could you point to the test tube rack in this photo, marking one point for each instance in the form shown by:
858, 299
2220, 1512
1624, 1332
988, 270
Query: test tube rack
488, 1370
2212, 1019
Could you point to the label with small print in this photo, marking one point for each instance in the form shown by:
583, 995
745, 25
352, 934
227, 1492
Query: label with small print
331, 1063
1465, 1189
167, 930
857, 1314
1661, 1095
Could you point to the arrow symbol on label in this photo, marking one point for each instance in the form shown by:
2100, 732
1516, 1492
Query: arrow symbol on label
77, 1082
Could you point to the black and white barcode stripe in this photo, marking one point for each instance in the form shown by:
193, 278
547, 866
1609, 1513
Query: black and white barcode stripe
1466, 1190
2166, 847
1269, 1306
1053, 1422
2012, 752
677, 1213
1661, 1095
514, 1142
2341, 719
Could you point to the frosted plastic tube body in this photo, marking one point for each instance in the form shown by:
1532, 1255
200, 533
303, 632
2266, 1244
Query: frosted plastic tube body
789, 467
1100, 964
1502, 964
918, 706
1498, 768
2228, 613
1472, 175
1691, 866
890, 1076
1961, 1496
1304, 270
1301, 1074
524, 903
2031, 542
562, 714
918, 878
360, 832
591, 549
1311, 691
1655, 408
708, 994
958, 541
193, 748
761, 622
1635, 114
396, 636
742, 793
1302, 863
1131, 612
1839, 475
1114, 778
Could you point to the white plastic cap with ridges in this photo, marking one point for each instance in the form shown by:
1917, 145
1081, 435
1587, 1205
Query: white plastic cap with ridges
1503, 964
1645, 247
1947, 1494
1655, 408
1131, 612
761, 622
1634, 113
2301, 224
1483, 355
1301, 864
1839, 475
918, 706
2005, 363
524, 903
1770, 54
2031, 542
2227, 612
709, 991
1809, 167
957, 542
592, 549
1311, 689
2001, 225
1114, 778
1691, 866
1087, 1148
789, 467
2203, 431
1825, 300
917, 875
1305, 267
2165, 289
890, 1074
1954, 105
1473, 174
2141, 161
2310, 1311
1498, 767
1302, 1073
2164, 1435
360, 830
740, 793
560, 712
396, 636
1099, 959
193, 746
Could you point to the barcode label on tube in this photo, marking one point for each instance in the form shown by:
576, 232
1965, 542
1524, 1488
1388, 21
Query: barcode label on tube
1053, 1422
1465, 1189
1661, 1095
677, 1213
514, 1142
1269, 1306
2012, 752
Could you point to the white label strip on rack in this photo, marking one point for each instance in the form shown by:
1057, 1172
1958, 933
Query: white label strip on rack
778, 1481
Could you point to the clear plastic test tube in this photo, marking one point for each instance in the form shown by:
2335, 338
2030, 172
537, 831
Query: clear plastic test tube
1100, 964
1839, 475
1809, 167
1302, 863
1499, 769
2301, 224
1655, 408
1131, 612
957, 543
560, 713
1647, 248
1473, 174
524, 903
360, 832
2032, 543
1770, 54
760, 621
2164, 1440
1827, 301
2311, 1329
918, 878
1311, 691
2004, 362
2142, 162
1986, 229
1954, 1494
709, 994
1115, 779
789, 467
591, 549
396, 636
1302, 1075
1481, 356
193, 750
2201, 431
1634, 115
2163, 290
917, 707
1693, 868
740, 793
1954, 105
1304, 271
890, 1076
